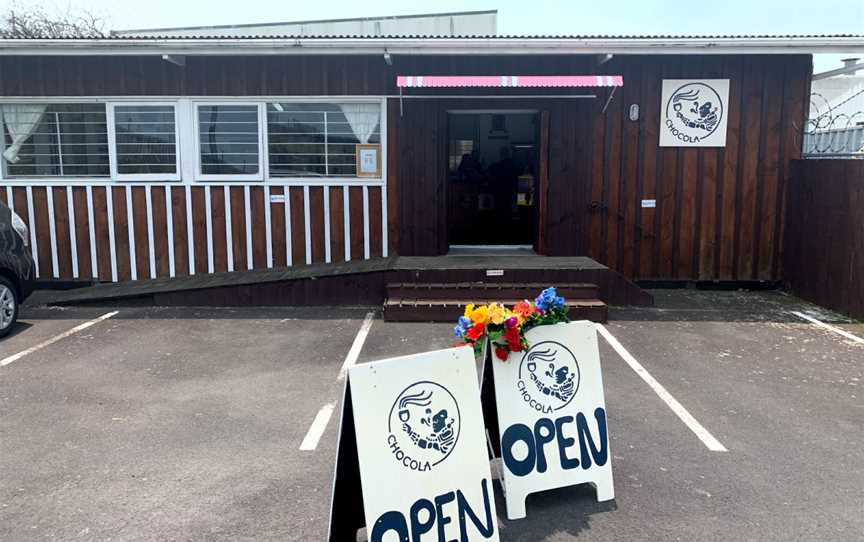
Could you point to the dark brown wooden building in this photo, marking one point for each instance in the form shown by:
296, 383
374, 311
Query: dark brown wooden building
132, 158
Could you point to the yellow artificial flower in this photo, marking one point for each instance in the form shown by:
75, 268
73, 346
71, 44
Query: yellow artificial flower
497, 313
469, 308
480, 315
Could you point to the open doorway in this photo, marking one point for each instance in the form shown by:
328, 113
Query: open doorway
492, 176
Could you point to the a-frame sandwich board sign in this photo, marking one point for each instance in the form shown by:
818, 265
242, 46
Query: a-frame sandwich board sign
552, 415
412, 460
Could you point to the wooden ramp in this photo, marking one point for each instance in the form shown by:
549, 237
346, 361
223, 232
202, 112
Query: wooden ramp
365, 283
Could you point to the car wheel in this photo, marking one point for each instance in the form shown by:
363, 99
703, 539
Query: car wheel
8, 306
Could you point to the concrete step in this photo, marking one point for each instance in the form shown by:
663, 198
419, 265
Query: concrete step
448, 310
484, 292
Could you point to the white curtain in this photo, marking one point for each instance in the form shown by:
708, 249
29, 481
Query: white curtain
21, 121
363, 119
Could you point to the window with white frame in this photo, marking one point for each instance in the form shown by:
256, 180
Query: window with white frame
319, 139
54, 140
229, 140
144, 141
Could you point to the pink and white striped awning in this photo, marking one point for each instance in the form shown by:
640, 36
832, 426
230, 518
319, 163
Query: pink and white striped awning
499, 81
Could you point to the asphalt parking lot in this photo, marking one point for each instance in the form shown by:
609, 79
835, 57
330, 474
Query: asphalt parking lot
188, 424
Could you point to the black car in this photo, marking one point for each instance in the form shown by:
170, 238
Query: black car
17, 271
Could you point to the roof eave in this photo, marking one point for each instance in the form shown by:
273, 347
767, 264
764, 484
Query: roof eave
428, 46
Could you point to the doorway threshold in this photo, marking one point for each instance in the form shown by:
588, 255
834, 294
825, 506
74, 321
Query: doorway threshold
491, 250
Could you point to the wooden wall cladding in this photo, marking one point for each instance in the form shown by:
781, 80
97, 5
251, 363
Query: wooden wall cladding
133, 232
719, 215
719, 211
824, 248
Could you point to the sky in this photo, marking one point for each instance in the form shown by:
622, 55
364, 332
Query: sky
514, 17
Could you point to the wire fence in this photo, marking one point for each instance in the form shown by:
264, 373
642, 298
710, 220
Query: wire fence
834, 130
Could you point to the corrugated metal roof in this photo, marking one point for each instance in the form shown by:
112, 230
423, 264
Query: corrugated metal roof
574, 37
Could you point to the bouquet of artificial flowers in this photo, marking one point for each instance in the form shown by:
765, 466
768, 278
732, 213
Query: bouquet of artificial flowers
506, 327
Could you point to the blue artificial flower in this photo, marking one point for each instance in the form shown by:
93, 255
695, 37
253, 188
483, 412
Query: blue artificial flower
559, 302
462, 326
546, 299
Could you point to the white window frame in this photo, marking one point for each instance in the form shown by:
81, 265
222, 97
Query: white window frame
262, 133
359, 181
188, 152
112, 145
52, 179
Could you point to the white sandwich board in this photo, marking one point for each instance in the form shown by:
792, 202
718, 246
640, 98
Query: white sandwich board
552, 415
412, 432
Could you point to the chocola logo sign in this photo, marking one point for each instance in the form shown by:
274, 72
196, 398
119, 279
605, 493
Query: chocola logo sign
423, 426
694, 113
548, 377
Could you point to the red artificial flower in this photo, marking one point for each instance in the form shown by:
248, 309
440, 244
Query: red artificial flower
476, 331
501, 353
514, 339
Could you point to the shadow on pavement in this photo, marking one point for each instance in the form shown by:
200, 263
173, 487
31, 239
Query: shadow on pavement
567, 510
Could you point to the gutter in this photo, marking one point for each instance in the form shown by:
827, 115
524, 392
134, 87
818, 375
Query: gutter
429, 46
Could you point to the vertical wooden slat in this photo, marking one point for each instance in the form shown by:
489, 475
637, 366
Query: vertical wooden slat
612, 184
160, 230
298, 235
121, 233
393, 193
355, 197
217, 217
542, 199
630, 191
259, 238
238, 227
103, 241
316, 218
650, 120
769, 170
181, 237
337, 222
277, 227
375, 240
61, 227
687, 194
142, 246
82, 232
199, 229
43, 235
734, 66
748, 166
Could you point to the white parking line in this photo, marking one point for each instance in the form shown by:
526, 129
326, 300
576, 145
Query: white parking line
357, 346
319, 424
52, 340
707, 438
829, 327
316, 430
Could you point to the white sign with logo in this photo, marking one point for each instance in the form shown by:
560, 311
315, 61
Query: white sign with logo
552, 415
421, 449
693, 112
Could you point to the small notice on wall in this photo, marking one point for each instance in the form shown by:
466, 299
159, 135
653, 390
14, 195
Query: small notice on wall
368, 160
693, 112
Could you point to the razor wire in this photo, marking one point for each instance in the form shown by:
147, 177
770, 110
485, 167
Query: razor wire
831, 132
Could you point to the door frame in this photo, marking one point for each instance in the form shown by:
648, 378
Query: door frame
542, 181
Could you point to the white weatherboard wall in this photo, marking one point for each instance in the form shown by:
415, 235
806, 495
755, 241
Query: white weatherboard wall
421, 446
552, 415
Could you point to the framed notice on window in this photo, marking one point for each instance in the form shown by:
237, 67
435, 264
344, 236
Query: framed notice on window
368, 160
